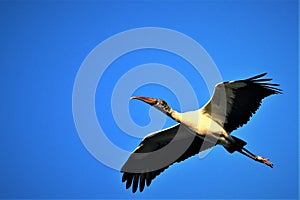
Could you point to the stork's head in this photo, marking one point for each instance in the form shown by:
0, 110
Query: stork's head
157, 103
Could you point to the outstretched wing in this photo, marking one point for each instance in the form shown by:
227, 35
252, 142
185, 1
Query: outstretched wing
157, 152
234, 102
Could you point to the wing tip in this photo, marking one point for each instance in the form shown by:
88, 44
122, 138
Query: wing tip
258, 76
136, 181
273, 87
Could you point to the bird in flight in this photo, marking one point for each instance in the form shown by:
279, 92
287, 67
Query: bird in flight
230, 107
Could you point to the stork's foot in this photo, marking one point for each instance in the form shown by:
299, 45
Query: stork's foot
264, 160
261, 159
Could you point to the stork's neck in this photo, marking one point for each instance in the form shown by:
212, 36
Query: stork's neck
175, 115
166, 109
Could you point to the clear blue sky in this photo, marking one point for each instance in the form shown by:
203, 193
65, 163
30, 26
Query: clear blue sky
43, 45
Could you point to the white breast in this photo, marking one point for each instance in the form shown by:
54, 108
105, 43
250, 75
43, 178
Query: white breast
202, 124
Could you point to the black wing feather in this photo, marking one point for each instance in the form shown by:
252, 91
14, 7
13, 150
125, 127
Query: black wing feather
243, 98
136, 167
142, 182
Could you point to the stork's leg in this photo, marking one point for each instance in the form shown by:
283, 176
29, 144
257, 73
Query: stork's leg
246, 152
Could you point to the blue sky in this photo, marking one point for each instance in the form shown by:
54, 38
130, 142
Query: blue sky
44, 43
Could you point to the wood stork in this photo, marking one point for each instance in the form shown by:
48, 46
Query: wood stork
230, 107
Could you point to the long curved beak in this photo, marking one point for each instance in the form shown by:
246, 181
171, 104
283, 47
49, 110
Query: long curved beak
147, 100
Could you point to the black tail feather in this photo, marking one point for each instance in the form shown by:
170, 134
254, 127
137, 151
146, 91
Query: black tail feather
236, 145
